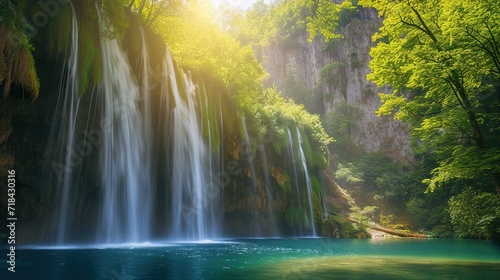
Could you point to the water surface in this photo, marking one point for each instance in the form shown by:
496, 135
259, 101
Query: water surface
267, 259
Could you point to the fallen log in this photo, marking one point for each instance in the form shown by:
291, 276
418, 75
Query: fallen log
383, 229
397, 233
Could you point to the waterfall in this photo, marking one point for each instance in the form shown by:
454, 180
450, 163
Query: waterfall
293, 167
128, 150
250, 158
68, 110
308, 184
324, 216
194, 199
125, 174
272, 216
137, 161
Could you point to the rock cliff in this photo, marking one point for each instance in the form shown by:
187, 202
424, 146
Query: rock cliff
324, 76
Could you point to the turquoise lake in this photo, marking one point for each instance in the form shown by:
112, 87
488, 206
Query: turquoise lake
266, 259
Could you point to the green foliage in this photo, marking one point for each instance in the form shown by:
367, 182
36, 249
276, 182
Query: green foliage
446, 54
273, 114
59, 33
386, 220
198, 43
227, 72
282, 22
342, 122
294, 216
114, 23
114, 11
465, 163
317, 187
89, 62
210, 98
475, 214
17, 65
363, 216
324, 18
331, 46
327, 73
279, 22
253, 26
347, 13
397, 188
339, 227
297, 91
349, 174
288, 21
428, 211
392, 180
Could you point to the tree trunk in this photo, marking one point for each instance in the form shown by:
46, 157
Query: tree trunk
495, 177
463, 98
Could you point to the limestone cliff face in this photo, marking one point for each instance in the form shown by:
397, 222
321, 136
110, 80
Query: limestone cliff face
333, 74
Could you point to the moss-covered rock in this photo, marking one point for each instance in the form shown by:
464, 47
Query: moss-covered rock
340, 227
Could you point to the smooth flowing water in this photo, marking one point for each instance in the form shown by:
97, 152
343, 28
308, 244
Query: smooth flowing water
250, 158
127, 196
308, 184
270, 259
67, 108
270, 200
193, 207
125, 152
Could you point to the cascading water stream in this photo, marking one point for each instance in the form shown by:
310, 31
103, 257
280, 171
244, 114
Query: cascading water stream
194, 213
308, 184
214, 160
69, 107
125, 178
274, 230
294, 165
146, 129
250, 158
323, 197
145, 99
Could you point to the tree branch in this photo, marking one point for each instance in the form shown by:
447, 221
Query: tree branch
130, 4
456, 93
463, 131
424, 26
411, 24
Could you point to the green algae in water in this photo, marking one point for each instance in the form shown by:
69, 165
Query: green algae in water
381, 268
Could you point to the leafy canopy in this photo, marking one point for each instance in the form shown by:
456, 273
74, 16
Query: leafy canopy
441, 57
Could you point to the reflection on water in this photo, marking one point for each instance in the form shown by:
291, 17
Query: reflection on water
269, 259
384, 268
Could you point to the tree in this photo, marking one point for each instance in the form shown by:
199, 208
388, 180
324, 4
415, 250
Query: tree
475, 214
324, 17
443, 70
197, 42
150, 10
342, 122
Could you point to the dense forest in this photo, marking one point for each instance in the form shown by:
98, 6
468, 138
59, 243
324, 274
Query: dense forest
434, 68
440, 61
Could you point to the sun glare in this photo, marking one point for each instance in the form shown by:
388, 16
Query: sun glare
241, 4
